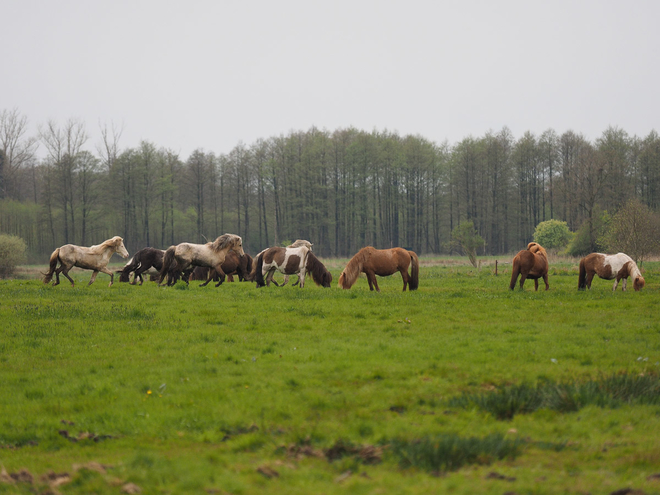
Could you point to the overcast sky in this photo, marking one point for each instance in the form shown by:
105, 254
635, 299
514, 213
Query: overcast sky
211, 74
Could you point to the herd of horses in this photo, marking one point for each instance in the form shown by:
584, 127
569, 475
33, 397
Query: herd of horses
224, 258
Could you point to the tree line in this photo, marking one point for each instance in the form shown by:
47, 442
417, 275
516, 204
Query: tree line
341, 190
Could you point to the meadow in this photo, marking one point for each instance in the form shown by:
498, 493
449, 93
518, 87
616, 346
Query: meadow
462, 386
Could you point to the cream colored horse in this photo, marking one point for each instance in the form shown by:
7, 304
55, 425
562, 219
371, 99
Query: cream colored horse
90, 258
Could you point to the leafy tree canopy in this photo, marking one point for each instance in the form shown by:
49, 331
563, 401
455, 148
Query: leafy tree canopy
553, 234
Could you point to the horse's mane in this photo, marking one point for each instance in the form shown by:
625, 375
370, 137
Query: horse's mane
353, 269
536, 248
224, 241
300, 243
110, 243
319, 272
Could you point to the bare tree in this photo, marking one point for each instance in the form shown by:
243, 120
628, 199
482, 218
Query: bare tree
16, 149
63, 145
635, 230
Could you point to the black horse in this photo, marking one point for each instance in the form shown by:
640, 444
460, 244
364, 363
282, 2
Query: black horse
143, 260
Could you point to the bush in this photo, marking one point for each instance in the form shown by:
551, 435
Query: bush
589, 238
553, 234
12, 254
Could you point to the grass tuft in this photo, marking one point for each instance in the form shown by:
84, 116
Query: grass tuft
449, 452
568, 396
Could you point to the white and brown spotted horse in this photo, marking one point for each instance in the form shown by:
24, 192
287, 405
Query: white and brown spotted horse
289, 261
618, 266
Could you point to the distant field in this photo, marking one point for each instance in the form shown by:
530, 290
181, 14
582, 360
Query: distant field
282, 390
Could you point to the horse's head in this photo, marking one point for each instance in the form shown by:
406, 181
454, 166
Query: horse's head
327, 279
342, 281
120, 249
638, 283
124, 275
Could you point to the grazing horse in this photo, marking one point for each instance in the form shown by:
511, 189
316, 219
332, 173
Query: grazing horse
212, 254
530, 263
297, 243
143, 260
615, 266
289, 261
381, 262
233, 265
91, 258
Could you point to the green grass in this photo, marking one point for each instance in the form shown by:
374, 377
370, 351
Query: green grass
239, 390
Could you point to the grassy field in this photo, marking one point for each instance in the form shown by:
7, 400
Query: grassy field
282, 390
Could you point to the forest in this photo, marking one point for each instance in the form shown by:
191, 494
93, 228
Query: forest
341, 189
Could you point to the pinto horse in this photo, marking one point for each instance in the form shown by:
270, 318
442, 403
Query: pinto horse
381, 262
143, 260
609, 267
212, 255
289, 261
90, 258
530, 263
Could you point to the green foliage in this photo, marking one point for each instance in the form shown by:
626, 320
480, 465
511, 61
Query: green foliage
590, 237
12, 254
552, 234
634, 230
466, 238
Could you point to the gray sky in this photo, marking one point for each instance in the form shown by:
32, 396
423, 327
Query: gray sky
210, 74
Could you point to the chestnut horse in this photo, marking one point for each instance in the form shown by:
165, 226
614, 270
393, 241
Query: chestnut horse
609, 267
212, 254
530, 263
91, 258
381, 262
142, 261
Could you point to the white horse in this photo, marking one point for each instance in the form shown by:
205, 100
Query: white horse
90, 258
609, 267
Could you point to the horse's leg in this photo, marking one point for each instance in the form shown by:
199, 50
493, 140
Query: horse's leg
220, 273
112, 275
64, 269
57, 275
536, 284
91, 280
301, 278
404, 276
370, 280
523, 277
286, 280
269, 277
590, 277
545, 279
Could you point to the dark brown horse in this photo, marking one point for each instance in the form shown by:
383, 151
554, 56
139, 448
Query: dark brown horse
212, 254
233, 265
530, 263
381, 262
143, 260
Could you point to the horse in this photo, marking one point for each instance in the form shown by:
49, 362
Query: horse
212, 254
233, 265
142, 261
289, 261
297, 243
90, 258
381, 262
609, 267
530, 263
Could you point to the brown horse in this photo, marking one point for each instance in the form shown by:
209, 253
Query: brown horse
91, 258
233, 265
212, 254
381, 262
615, 266
530, 263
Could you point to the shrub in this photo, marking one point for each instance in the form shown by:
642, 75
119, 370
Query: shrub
552, 234
12, 254
466, 238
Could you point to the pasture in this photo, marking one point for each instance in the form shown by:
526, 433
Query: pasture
281, 390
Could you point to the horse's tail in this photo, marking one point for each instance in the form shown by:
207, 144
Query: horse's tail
53, 264
582, 278
413, 283
257, 272
515, 271
169, 263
